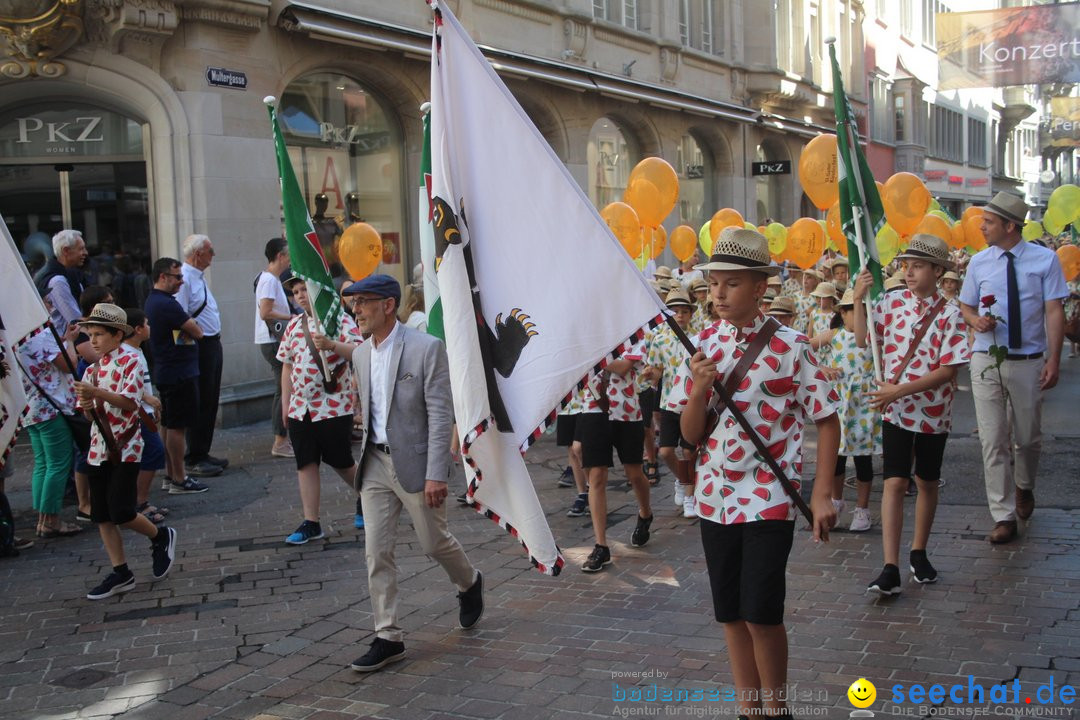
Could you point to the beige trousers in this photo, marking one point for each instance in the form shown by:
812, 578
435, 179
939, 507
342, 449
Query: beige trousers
1010, 433
383, 499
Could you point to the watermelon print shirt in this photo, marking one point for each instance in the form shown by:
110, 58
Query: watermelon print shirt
896, 315
782, 391
37, 354
308, 396
668, 354
119, 372
623, 405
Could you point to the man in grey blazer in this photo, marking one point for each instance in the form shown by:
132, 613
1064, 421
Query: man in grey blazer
404, 463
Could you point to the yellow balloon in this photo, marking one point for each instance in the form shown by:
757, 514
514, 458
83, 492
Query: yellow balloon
941, 214
683, 241
360, 250
1055, 220
723, 219
1069, 255
805, 242
1033, 230
776, 234
662, 177
749, 226
1067, 198
906, 201
625, 226
818, 171
933, 225
705, 239
888, 243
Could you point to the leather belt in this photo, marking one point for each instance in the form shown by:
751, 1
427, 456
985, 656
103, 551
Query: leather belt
1011, 356
381, 447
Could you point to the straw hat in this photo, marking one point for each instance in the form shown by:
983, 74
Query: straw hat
662, 271
740, 249
848, 299
825, 289
927, 247
699, 284
108, 315
678, 298
782, 306
768, 297
838, 261
1008, 206
814, 272
774, 280
950, 275
896, 280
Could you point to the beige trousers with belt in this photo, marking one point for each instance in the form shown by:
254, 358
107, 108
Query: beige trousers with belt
1010, 433
383, 499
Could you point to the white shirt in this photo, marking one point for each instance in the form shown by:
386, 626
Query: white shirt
417, 321
380, 368
1039, 278
269, 287
686, 277
65, 309
191, 295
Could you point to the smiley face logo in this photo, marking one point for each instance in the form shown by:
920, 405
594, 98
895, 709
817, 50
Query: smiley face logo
862, 693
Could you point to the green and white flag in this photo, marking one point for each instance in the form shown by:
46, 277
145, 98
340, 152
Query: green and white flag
305, 251
432, 303
859, 198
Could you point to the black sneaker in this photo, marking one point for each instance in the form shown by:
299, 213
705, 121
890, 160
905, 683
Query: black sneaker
188, 487
203, 469
921, 570
163, 551
567, 477
463, 498
308, 530
598, 558
641, 531
382, 653
888, 582
113, 584
471, 603
220, 462
580, 506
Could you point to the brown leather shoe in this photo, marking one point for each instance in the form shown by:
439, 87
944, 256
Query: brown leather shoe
1003, 532
1025, 503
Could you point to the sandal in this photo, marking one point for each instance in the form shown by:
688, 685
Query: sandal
62, 530
652, 472
151, 513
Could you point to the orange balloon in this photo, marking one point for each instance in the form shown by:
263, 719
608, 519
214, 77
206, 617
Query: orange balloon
906, 201
625, 226
973, 234
761, 229
659, 240
683, 242
643, 196
360, 250
958, 241
969, 212
722, 219
933, 225
1069, 255
833, 225
665, 184
818, 171
805, 242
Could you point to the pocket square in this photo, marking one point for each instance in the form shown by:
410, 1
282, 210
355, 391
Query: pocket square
406, 376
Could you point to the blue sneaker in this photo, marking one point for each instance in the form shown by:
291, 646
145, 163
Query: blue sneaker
308, 530
358, 522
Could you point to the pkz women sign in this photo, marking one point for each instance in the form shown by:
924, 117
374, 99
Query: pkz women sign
42, 133
1010, 46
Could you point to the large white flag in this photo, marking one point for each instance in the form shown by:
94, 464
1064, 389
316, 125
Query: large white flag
537, 294
21, 313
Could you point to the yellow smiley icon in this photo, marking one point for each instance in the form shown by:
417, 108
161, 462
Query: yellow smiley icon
862, 693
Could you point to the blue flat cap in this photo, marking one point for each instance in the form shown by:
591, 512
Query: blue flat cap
380, 285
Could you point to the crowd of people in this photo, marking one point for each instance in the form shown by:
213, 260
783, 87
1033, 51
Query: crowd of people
775, 349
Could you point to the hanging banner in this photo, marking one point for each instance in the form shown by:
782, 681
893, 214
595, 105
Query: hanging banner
1010, 46
1064, 126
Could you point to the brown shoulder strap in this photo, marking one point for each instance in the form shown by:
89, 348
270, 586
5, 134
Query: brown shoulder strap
753, 350
331, 385
920, 333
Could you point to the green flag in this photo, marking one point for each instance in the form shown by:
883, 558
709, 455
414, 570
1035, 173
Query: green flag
859, 199
305, 251
432, 303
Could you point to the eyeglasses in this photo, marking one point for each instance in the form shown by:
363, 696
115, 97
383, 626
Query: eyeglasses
174, 276
362, 301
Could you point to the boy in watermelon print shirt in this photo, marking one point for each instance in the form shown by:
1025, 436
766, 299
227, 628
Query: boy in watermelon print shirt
915, 399
112, 388
747, 518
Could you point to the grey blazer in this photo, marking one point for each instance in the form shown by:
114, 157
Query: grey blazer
420, 418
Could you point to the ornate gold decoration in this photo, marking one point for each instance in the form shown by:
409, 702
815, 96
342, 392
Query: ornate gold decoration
33, 33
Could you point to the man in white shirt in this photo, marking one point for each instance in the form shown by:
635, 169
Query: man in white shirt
1012, 298
272, 312
196, 299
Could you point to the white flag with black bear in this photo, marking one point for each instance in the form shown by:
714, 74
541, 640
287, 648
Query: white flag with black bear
520, 251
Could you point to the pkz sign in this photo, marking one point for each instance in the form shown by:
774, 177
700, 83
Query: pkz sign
774, 167
220, 77
69, 131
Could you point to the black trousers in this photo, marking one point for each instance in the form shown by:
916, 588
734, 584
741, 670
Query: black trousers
201, 436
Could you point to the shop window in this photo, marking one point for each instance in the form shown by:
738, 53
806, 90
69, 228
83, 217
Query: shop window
347, 153
695, 177
608, 158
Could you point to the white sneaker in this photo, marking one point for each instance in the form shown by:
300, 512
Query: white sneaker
860, 520
689, 507
680, 496
838, 506
166, 482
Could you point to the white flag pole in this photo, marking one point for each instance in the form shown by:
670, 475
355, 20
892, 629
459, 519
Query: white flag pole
875, 350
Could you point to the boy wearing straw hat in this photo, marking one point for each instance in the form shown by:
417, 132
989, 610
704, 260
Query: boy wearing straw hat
805, 301
747, 518
110, 393
924, 342
783, 310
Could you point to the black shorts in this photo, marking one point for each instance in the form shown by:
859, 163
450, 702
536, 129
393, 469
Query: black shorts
670, 434
898, 444
864, 467
113, 492
599, 436
747, 563
649, 400
180, 404
328, 441
565, 429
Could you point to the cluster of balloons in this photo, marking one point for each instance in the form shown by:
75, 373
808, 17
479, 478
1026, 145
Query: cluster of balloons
360, 250
650, 196
1062, 210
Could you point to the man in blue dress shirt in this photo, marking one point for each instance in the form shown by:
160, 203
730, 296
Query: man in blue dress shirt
1012, 298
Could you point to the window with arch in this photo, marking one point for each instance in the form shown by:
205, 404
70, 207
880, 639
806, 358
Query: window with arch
347, 153
769, 188
608, 159
695, 173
